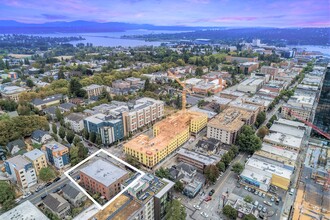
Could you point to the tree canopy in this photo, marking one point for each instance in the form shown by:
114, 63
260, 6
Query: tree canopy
7, 196
175, 211
238, 168
230, 212
211, 173
248, 141
46, 174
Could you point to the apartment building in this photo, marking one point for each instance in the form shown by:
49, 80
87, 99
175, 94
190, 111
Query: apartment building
168, 135
25, 210
142, 112
227, 125
38, 159
11, 92
103, 177
254, 109
145, 200
241, 59
57, 154
248, 67
93, 90
272, 71
20, 170
109, 127
76, 121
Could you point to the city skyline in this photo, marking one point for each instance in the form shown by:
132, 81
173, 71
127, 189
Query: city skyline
175, 13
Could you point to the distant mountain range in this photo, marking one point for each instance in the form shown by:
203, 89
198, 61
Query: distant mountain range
14, 27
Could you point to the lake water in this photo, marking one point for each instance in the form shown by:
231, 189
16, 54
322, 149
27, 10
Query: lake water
111, 39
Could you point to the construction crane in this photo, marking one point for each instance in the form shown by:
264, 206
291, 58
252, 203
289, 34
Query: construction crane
318, 130
184, 91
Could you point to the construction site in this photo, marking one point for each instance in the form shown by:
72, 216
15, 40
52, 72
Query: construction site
168, 135
313, 196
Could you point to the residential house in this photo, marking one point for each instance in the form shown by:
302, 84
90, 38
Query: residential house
57, 154
40, 137
57, 205
66, 107
15, 146
73, 195
76, 121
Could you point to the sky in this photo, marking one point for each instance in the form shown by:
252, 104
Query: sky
248, 13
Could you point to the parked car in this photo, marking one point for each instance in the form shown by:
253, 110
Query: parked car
204, 215
256, 192
272, 199
246, 188
208, 199
197, 207
268, 203
249, 189
264, 210
17, 200
211, 192
277, 201
260, 194
253, 190
260, 207
48, 184
27, 195
56, 179
263, 195
42, 197
57, 190
256, 203
291, 191
63, 186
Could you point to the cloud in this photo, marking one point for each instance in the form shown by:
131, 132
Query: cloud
54, 17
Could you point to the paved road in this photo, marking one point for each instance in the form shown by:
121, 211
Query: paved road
225, 183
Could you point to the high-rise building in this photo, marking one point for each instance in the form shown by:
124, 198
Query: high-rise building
322, 116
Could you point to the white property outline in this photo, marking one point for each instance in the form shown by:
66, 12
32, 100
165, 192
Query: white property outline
116, 196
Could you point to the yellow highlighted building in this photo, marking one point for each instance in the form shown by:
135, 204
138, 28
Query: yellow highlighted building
168, 135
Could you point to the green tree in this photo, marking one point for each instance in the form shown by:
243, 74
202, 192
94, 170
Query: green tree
238, 168
199, 71
61, 132
76, 140
230, 212
221, 166
249, 217
75, 88
262, 132
175, 211
29, 83
78, 153
226, 159
261, 117
178, 186
248, 199
105, 95
163, 173
70, 136
46, 174
133, 161
58, 114
92, 137
54, 128
147, 85
234, 149
248, 141
60, 74
85, 134
7, 196
98, 139
211, 173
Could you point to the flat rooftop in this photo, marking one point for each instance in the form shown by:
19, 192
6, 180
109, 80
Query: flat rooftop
231, 119
24, 211
252, 174
245, 106
120, 209
269, 168
103, 172
254, 81
168, 128
19, 161
34, 154
92, 86
218, 100
277, 153
55, 146
207, 160
284, 139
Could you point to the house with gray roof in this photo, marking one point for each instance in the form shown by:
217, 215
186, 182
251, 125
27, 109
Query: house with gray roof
40, 137
66, 107
15, 146
57, 205
76, 121
73, 195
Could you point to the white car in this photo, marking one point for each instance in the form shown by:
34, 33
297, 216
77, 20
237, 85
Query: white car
204, 215
27, 195
197, 207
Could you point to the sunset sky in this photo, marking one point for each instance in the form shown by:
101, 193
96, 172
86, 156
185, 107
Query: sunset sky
248, 13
